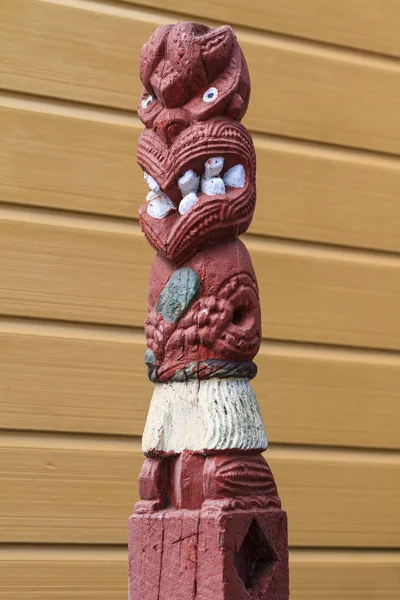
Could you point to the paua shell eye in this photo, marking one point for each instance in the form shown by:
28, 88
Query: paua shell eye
210, 95
147, 100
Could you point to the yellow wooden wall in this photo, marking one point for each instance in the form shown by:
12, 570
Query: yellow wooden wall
325, 241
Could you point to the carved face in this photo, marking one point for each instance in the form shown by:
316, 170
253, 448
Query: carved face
199, 161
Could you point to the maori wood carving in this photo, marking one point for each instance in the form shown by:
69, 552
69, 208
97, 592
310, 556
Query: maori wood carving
209, 523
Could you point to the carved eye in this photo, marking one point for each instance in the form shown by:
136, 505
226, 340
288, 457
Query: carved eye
147, 100
210, 95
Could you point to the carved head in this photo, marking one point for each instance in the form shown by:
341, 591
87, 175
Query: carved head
199, 161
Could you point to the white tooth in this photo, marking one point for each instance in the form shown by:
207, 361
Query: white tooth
213, 186
151, 196
213, 167
235, 177
151, 182
160, 206
189, 182
187, 203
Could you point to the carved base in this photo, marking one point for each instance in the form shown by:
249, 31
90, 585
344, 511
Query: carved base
208, 554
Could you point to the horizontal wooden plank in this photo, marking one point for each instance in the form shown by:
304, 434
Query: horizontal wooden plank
57, 573
325, 296
56, 378
85, 161
329, 196
72, 379
313, 396
81, 54
326, 575
54, 271
58, 267
70, 159
79, 490
298, 90
368, 25
38, 573
67, 490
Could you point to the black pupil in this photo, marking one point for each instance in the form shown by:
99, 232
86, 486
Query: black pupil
210, 94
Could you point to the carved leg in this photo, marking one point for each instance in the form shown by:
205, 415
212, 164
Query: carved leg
187, 480
240, 480
232, 546
153, 486
162, 537
242, 546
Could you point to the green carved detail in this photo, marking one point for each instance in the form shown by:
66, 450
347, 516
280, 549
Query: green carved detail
182, 289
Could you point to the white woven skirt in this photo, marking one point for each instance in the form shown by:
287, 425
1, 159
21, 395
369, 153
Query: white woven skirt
201, 415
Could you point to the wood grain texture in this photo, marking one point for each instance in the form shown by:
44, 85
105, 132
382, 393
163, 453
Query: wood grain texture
81, 490
316, 396
58, 50
299, 91
76, 379
85, 161
66, 490
40, 573
70, 159
58, 267
365, 24
53, 271
72, 379
327, 575
58, 488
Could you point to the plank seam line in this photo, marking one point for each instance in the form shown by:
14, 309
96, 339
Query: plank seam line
65, 218
71, 330
135, 335
118, 8
51, 105
119, 551
87, 551
103, 114
347, 453
342, 249
39, 439
320, 250
305, 349
286, 143
69, 440
349, 550
124, 226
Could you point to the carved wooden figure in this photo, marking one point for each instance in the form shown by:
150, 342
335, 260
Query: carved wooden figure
209, 523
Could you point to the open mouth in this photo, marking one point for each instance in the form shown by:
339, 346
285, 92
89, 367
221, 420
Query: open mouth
217, 176
202, 188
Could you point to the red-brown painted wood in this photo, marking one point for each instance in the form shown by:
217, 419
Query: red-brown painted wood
209, 524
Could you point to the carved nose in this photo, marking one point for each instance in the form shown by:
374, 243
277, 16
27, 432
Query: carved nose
170, 123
